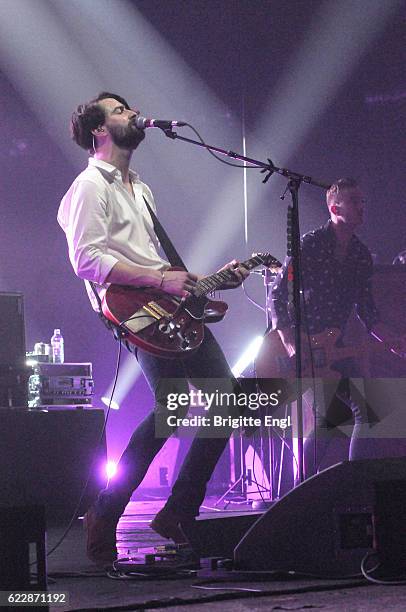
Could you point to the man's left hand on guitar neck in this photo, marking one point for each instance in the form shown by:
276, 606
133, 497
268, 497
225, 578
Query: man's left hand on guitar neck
240, 273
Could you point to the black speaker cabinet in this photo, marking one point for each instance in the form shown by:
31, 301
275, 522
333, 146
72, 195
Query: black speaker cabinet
19, 529
14, 386
12, 333
13, 371
324, 526
47, 457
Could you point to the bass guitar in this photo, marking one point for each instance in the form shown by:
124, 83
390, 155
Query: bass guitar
320, 353
168, 326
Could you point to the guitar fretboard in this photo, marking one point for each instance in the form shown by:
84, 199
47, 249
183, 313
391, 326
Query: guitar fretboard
211, 283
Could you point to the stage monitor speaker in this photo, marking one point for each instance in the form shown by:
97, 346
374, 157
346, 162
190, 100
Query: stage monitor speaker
21, 527
325, 525
46, 458
214, 534
12, 332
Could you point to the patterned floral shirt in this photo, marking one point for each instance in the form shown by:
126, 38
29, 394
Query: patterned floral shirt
330, 287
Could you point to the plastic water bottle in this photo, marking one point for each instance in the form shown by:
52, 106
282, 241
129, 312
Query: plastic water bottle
57, 347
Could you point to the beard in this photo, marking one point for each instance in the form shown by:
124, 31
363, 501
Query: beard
128, 137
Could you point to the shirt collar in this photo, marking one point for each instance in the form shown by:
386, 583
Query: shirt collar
328, 227
112, 170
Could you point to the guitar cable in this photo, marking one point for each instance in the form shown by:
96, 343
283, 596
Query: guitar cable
256, 442
250, 299
223, 161
119, 336
244, 167
306, 326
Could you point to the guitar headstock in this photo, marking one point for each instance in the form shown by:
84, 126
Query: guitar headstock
269, 261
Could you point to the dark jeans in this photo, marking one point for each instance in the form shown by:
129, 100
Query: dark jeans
172, 376
339, 404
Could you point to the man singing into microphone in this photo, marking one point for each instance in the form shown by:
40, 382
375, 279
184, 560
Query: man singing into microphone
111, 239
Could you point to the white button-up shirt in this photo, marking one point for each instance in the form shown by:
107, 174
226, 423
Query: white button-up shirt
104, 224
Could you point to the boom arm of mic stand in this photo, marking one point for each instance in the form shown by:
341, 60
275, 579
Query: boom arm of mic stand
295, 180
268, 167
254, 162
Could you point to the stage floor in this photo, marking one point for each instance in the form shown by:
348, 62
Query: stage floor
92, 589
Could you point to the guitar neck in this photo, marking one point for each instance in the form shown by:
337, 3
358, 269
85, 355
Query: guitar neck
211, 283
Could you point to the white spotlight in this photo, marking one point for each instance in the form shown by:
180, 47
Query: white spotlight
248, 356
111, 469
113, 405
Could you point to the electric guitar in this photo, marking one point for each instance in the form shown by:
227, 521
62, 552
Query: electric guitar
166, 325
318, 357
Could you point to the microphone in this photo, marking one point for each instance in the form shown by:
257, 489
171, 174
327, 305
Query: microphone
142, 123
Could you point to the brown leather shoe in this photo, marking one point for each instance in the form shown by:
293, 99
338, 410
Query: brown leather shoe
101, 538
168, 525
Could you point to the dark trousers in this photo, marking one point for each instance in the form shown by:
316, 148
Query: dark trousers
338, 403
203, 369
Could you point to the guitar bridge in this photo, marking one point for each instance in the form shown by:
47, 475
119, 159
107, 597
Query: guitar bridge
139, 321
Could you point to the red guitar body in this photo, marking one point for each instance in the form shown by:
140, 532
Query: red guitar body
168, 326
158, 322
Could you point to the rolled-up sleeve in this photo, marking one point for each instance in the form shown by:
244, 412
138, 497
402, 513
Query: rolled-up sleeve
85, 220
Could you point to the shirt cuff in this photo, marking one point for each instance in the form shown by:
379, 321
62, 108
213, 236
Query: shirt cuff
107, 263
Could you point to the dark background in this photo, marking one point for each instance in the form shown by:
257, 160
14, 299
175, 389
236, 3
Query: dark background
241, 50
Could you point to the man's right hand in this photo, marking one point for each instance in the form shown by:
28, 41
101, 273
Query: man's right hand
177, 282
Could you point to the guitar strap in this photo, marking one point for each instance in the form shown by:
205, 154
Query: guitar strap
170, 251
173, 256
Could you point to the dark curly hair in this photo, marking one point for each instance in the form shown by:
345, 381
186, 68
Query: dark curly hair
89, 116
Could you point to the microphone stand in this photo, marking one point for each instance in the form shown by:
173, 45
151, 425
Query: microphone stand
295, 179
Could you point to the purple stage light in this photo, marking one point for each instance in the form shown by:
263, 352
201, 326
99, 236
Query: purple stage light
111, 469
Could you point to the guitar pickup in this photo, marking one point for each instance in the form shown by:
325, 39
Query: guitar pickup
156, 311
